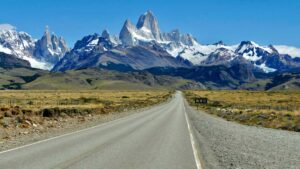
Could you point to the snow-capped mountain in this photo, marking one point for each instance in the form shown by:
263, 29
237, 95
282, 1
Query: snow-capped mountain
144, 46
267, 58
185, 46
219, 56
43, 53
105, 51
95, 43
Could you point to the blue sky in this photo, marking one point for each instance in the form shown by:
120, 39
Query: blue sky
263, 21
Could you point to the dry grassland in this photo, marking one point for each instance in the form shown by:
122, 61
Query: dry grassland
279, 110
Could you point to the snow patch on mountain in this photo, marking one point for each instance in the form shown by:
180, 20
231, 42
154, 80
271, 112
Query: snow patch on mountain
5, 50
38, 64
265, 68
93, 42
252, 56
197, 53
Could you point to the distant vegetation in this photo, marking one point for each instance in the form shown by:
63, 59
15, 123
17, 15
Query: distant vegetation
88, 79
280, 110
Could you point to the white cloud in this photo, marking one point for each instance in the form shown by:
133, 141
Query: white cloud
6, 27
290, 50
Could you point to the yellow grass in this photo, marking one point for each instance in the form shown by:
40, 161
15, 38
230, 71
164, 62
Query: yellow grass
279, 109
83, 99
255, 99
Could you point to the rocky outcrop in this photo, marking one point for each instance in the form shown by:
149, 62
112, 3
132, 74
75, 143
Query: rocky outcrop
50, 48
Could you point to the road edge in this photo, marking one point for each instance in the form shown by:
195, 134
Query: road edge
193, 141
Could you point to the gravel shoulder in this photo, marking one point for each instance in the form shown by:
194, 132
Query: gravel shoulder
229, 145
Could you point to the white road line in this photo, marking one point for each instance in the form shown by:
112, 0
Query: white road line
52, 138
196, 155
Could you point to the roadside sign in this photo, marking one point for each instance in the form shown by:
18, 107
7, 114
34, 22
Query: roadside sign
201, 100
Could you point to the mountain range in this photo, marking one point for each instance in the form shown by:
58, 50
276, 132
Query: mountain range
141, 46
144, 47
138, 44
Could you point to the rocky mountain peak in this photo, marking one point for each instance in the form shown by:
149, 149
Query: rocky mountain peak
220, 43
246, 46
274, 50
176, 37
46, 38
47, 32
146, 20
148, 23
147, 30
105, 34
128, 24
50, 48
188, 39
126, 34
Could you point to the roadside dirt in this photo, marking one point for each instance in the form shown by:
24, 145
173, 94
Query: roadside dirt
18, 132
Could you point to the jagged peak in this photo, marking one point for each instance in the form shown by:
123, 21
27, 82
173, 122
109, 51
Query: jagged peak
47, 30
245, 45
147, 20
61, 38
128, 23
274, 50
191, 37
250, 43
105, 34
221, 43
149, 12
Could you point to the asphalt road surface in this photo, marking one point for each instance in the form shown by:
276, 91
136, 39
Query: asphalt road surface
157, 138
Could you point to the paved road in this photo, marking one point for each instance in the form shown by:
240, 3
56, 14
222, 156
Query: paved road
157, 138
